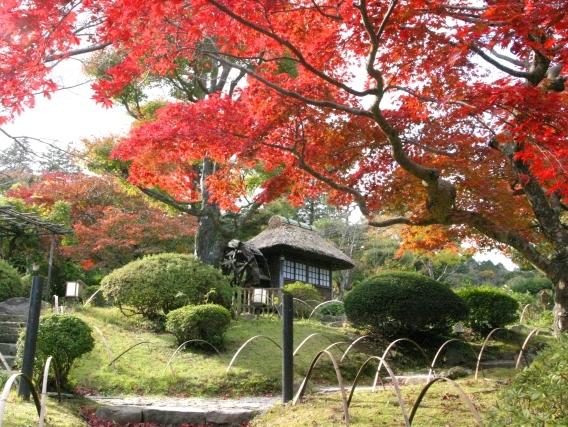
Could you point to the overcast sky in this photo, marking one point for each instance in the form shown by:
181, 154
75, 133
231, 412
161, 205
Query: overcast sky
70, 115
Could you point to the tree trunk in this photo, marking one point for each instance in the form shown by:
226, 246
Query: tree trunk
209, 239
209, 242
561, 305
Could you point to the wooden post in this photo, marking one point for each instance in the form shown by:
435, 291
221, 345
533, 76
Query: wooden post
49, 269
287, 347
31, 336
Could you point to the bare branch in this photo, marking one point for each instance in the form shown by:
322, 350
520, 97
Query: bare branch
500, 66
81, 51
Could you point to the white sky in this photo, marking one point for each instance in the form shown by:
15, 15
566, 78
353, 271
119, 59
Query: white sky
72, 115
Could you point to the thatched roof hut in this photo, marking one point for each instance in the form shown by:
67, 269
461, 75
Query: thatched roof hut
296, 251
283, 233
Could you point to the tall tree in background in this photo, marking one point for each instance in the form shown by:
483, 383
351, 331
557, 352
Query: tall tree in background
447, 112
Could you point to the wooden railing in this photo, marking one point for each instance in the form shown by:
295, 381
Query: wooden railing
256, 301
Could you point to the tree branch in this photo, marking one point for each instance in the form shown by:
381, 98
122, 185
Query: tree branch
500, 66
284, 42
292, 94
81, 51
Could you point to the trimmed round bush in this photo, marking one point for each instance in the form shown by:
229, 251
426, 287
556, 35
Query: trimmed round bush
64, 337
10, 282
396, 304
489, 308
157, 284
207, 322
537, 395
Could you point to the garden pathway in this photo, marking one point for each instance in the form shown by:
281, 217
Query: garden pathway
175, 411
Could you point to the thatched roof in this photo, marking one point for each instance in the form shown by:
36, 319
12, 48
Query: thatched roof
285, 234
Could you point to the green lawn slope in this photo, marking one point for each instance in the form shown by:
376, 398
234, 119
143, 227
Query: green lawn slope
194, 373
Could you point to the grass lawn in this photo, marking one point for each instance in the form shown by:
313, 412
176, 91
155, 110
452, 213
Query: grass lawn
141, 371
19, 413
442, 406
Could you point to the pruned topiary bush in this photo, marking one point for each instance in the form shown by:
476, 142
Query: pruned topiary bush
207, 322
537, 395
396, 304
157, 284
64, 337
10, 282
489, 308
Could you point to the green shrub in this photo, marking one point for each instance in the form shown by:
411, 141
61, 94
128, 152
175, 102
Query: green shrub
537, 395
333, 309
64, 337
207, 322
532, 285
305, 292
489, 307
156, 284
10, 282
395, 304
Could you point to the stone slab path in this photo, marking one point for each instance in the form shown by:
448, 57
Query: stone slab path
169, 411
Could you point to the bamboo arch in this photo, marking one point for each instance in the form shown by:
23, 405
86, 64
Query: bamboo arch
485, 341
439, 352
245, 344
183, 346
395, 383
8, 387
460, 391
303, 385
389, 348
351, 346
322, 304
127, 350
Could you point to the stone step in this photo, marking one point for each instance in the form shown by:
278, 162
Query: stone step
12, 318
8, 349
175, 412
9, 337
11, 360
11, 326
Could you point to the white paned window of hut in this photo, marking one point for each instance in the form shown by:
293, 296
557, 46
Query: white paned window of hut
300, 272
324, 278
289, 269
313, 273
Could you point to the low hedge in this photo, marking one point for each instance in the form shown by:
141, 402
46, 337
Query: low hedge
207, 322
403, 303
489, 308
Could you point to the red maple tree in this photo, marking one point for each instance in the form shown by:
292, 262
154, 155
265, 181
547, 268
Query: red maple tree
111, 227
447, 112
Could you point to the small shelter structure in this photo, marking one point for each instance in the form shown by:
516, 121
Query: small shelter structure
296, 252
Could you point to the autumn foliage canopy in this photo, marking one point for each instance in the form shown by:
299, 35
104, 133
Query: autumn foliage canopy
446, 112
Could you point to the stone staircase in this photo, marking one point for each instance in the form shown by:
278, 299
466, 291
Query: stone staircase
10, 327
